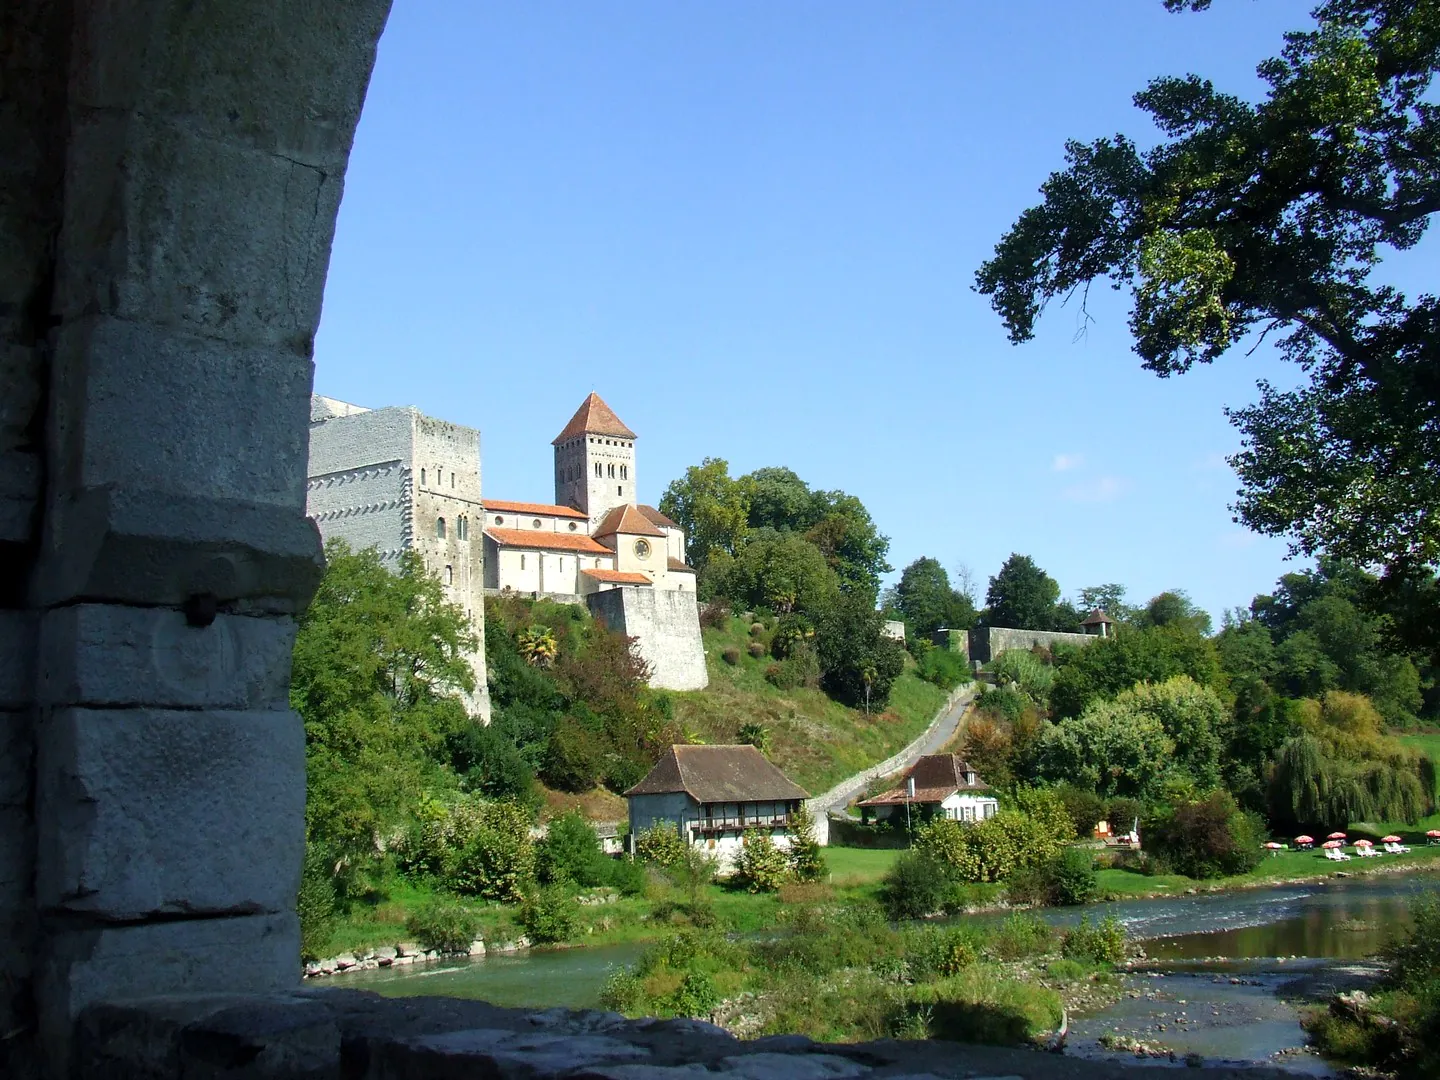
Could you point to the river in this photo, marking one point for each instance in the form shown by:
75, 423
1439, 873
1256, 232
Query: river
1212, 987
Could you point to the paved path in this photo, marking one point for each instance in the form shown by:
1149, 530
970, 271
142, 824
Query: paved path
930, 741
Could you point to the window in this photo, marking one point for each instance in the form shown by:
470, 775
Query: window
611, 471
573, 526
449, 575
499, 520
599, 469
619, 490
522, 560
452, 479
624, 472
459, 528
440, 528
535, 524
422, 477
642, 549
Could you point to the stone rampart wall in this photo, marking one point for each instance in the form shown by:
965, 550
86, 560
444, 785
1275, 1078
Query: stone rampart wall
988, 642
666, 624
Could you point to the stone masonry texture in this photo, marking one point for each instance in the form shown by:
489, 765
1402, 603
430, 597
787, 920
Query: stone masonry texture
666, 624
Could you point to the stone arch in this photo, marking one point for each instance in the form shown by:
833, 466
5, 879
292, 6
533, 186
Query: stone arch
167, 206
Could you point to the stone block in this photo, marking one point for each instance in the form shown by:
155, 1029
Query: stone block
148, 547
254, 955
199, 1037
288, 78
16, 758
143, 812
169, 228
103, 654
141, 406
17, 661
19, 495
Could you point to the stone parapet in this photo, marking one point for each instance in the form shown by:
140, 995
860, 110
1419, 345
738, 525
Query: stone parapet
354, 1035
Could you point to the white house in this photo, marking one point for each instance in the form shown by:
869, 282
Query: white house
713, 795
938, 785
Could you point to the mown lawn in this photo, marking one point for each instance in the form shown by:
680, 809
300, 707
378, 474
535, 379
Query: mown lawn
815, 741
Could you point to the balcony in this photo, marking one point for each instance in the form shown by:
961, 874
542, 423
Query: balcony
740, 823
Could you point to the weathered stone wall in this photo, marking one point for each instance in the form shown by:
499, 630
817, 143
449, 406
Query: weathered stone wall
988, 642
168, 193
666, 623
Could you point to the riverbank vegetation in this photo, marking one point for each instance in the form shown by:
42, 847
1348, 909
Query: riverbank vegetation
842, 972
1395, 1031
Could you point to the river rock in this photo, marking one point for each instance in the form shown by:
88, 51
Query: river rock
345, 961
477, 947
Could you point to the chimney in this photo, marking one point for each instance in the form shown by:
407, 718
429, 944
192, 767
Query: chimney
910, 788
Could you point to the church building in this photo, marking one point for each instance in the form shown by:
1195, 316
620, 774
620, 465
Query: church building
595, 536
596, 545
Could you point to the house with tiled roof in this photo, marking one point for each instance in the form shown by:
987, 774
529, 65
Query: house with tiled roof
597, 539
713, 795
937, 785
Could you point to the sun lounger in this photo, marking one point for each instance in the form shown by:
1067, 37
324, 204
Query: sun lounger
1396, 849
1367, 852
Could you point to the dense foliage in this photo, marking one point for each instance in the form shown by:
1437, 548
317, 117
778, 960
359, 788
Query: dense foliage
1275, 216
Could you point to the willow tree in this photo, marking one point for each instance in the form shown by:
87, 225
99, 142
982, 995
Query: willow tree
1250, 219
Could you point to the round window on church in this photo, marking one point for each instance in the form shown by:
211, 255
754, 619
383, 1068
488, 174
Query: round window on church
642, 549
573, 526
535, 524
499, 520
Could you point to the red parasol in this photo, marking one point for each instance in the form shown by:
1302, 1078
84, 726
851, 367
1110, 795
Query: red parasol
1332, 844
1391, 839
1337, 836
1273, 846
1364, 843
1433, 832
1304, 839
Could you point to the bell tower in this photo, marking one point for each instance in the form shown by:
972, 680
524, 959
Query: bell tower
594, 461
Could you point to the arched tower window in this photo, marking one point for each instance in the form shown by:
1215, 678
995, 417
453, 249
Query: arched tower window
440, 528
422, 477
449, 575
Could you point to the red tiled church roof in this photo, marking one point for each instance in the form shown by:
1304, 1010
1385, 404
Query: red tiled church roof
547, 541
678, 566
656, 517
627, 520
618, 577
594, 417
543, 509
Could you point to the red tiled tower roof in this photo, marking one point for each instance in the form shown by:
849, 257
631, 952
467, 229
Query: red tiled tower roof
594, 417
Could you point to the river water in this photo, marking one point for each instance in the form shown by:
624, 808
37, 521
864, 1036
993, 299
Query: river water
1219, 967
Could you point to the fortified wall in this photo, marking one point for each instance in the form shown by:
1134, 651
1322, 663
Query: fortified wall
987, 642
666, 624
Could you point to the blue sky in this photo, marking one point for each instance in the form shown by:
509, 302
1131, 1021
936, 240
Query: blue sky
753, 228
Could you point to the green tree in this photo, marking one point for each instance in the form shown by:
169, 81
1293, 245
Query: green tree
378, 663
850, 542
712, 507
858, 663
1273, 216
1113, 748
1174, 608
1109, 666
1021, 596
807, 857
780, 500
926, 601
781, 571
1109, 598
1194, 717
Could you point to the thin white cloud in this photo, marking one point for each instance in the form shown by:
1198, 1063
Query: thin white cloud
1067, 462
1101, 489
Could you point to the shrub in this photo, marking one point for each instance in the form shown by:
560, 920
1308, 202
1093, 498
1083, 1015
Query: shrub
446, 927
792, 632
570, 851
807, 859
315, 904
1026, 672
1207, 837
1019, 936
714, 615
915, 886
755, 649
801, 668
930, 953
757, 629
624, 992
627, 876
944, 668
660, 845
696, 996
1086, 809
548, 915
754, 734
1415, 959
1072, 878
731, 655
761, 867
1101, 943
498, 860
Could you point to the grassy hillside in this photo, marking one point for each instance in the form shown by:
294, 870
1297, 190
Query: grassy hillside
1430, 745
816, 741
